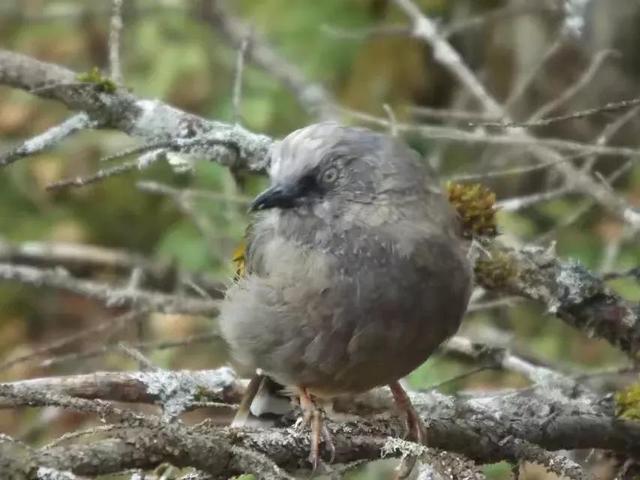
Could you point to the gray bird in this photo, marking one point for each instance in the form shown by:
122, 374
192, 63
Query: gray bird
356, 270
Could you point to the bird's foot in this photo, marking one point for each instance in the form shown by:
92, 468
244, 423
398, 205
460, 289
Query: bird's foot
416, 430
313, 416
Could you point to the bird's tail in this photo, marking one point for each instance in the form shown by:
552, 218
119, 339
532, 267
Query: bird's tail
263, 402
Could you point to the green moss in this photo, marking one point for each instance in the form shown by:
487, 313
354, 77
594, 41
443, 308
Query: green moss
476, 205
95, 77
495, 270
628, 402
202, 394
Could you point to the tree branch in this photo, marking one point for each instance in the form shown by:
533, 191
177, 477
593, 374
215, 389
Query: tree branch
149, 120
109, 295
175, 391
572, 293
489, 428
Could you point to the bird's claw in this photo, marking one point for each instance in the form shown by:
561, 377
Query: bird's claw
316, 434
320, 434
313, 417
416, 431
327, 438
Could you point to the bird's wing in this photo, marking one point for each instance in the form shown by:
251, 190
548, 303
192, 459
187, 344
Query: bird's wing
257, 236
267, 397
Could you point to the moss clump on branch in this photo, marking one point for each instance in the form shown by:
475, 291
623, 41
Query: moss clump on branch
476, 205
95, 77
628, 402
495, 269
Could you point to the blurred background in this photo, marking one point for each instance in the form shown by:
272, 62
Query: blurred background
528, 54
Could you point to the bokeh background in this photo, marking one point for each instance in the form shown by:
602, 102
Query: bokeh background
360, 51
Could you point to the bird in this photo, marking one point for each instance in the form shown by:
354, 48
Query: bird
356, 270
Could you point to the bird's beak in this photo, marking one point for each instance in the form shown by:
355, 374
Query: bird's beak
278, 196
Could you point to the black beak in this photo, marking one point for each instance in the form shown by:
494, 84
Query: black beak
278, 196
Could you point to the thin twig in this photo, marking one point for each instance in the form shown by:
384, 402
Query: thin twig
511, 170
108, 294
610, 107
393, 131
48, 139
237, 81
163, 189
444, 53
582, 209
137, 355
313, 97
570, 92
365, 33
115, 42
502, 358
450, 115
609, 131
184, 201
98, 176
144, 346
489, 304
525, 201
453, 134
112, 324
494, 16
529, 77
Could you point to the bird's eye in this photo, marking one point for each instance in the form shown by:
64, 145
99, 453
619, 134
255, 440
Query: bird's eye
329, 176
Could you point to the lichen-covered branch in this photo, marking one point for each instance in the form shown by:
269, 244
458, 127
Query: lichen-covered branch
504, 426
566, 289
151, 121
47, 139
175, 391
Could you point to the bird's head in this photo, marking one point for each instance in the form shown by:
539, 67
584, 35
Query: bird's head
331, 164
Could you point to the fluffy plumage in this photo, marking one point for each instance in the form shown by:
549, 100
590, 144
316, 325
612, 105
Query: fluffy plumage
355, 270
